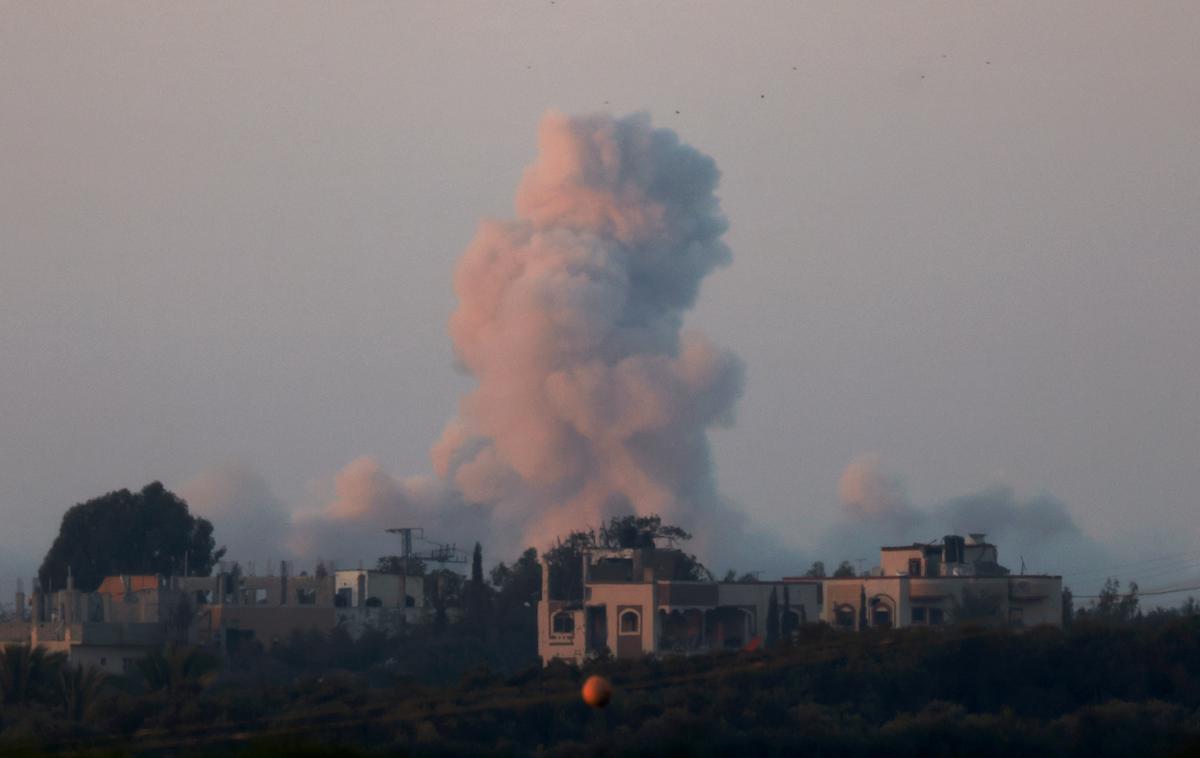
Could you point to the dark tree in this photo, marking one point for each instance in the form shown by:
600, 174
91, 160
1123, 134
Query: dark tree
1112, 605
566, 557
123, 532
522, 581
816, 570
26, 673
477, 565
443, 590
773, 619
640, 531
733, 577
517, 589
787, 626
845, 568
566, 564
1068, 607
478, 602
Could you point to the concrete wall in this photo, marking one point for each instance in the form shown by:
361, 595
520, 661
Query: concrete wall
894, 562
1008, 600
571, 647
391, 621
14, 632
270, 624
112, 659
648, 599
841, 593
390, 589
1039, 598
639, 598
802, 595
262, 591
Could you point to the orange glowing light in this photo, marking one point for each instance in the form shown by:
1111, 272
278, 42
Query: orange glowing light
597, 691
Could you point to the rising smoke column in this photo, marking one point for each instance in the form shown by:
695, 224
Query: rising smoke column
591, 399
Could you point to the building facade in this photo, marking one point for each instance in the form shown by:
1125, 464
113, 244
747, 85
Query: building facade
127, 617
958, 580
629, 607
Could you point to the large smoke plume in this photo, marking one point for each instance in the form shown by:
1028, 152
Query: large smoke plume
592, 400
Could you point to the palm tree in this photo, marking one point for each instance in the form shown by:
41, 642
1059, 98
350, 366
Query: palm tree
24, 670
79, 688
176, 668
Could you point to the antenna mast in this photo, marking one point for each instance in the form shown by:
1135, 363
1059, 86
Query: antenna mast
437, 553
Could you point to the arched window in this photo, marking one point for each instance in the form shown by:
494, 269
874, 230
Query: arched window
563, 623
844, 616
631, 622
882, 611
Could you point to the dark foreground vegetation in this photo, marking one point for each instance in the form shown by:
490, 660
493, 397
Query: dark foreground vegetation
1096, 689
1114, 682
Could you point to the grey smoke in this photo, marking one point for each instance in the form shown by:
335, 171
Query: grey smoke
876, 511
592, 401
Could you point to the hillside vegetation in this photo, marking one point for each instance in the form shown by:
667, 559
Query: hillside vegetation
1130, 688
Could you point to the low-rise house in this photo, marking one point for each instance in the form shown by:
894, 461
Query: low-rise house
14, 626
231, 609
377, 600
958, 580
631, 607
127, 617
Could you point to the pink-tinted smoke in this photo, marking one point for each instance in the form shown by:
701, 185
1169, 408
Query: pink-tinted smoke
591, 399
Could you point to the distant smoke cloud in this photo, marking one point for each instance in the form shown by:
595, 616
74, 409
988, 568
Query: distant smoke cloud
867, 491
247, 518
877, 511
591, 400
365, 501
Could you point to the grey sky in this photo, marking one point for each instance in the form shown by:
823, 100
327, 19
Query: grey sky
966, 238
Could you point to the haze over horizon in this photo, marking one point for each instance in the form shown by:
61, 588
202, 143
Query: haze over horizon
962, 281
